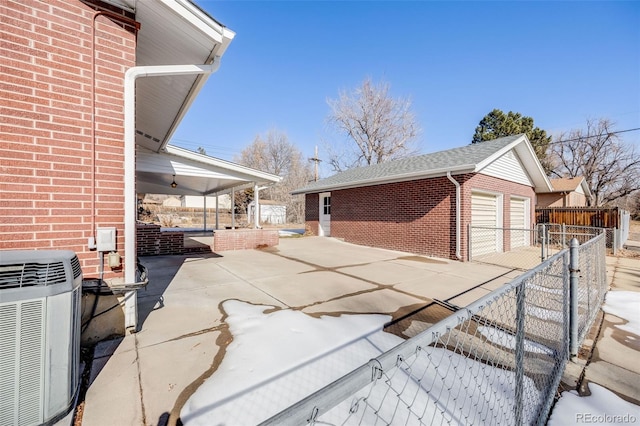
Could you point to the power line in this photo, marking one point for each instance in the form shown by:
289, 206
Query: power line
593, 136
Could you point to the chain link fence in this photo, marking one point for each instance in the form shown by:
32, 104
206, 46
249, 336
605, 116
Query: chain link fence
497, 361
525, 248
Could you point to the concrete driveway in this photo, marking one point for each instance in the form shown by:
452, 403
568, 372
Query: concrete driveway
145, 378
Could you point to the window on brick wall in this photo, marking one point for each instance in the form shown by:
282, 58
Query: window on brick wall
326, 205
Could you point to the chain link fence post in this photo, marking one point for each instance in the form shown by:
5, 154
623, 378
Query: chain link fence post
519, 349
573, 296
544, 241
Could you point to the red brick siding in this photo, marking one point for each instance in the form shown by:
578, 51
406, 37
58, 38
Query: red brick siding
45, 142
243, 239
416, 216
312, 212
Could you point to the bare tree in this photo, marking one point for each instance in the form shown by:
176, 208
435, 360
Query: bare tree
610, 167
378, 127
273, 153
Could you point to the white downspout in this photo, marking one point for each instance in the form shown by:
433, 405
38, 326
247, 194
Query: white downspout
130, 260
455, 182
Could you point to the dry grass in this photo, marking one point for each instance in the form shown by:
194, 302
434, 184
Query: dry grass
634, 226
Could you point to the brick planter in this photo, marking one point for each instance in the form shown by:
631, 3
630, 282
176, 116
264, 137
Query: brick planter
152, 242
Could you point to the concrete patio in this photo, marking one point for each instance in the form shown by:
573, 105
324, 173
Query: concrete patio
145, 378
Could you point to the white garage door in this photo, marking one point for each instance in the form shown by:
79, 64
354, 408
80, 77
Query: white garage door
519, 215
485, 238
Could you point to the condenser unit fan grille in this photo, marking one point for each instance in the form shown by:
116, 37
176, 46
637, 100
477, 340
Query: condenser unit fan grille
75, 266
32, 274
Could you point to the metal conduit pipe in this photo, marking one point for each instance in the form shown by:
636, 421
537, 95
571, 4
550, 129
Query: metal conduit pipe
455, 182
124, 20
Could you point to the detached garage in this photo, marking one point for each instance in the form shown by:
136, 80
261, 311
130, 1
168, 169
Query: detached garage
425, 204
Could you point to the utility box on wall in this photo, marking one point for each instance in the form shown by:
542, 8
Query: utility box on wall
106, 239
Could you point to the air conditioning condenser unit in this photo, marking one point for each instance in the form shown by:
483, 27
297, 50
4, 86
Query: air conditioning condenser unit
39, 335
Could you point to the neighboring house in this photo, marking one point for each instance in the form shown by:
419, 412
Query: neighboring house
172, 201
566, 192
271, 212
192, 201
410, 204
84, 130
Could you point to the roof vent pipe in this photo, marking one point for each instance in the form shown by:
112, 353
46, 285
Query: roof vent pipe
455, 182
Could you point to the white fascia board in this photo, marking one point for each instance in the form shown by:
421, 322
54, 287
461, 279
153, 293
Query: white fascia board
218, 33
469, 168
585, 188
252, 174
533, 167
199, 19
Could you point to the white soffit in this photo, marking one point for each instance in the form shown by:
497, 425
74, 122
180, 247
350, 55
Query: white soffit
172, 32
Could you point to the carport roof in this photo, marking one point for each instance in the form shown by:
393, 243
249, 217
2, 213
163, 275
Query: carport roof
467, 159
195, 174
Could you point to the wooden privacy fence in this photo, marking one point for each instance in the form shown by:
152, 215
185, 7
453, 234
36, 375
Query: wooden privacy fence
583, 216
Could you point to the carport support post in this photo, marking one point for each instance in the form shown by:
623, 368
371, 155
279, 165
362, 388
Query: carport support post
574, 264
217, 216
204, 213
233, 208
256, 203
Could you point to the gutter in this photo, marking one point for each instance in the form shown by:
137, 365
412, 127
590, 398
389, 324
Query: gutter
455, 182
130, 260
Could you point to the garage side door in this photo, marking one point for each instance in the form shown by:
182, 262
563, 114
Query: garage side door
519, 214
484, 221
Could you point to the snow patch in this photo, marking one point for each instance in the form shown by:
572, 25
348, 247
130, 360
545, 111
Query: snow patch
277, 359
625, 305
602, 407
507, 340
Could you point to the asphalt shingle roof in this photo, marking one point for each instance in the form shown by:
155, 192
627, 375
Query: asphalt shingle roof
456, 158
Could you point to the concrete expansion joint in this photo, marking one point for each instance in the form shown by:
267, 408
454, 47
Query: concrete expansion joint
137, 360
580, 383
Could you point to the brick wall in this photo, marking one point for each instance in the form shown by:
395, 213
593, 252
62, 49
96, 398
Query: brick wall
416, 216
46, 139
311, 213
152, 242
243, 239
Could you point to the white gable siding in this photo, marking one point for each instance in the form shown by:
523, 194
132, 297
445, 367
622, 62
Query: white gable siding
508, 167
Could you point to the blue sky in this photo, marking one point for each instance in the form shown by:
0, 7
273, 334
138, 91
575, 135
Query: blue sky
557, 62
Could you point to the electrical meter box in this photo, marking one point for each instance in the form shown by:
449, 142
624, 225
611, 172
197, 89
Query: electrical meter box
106, 239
